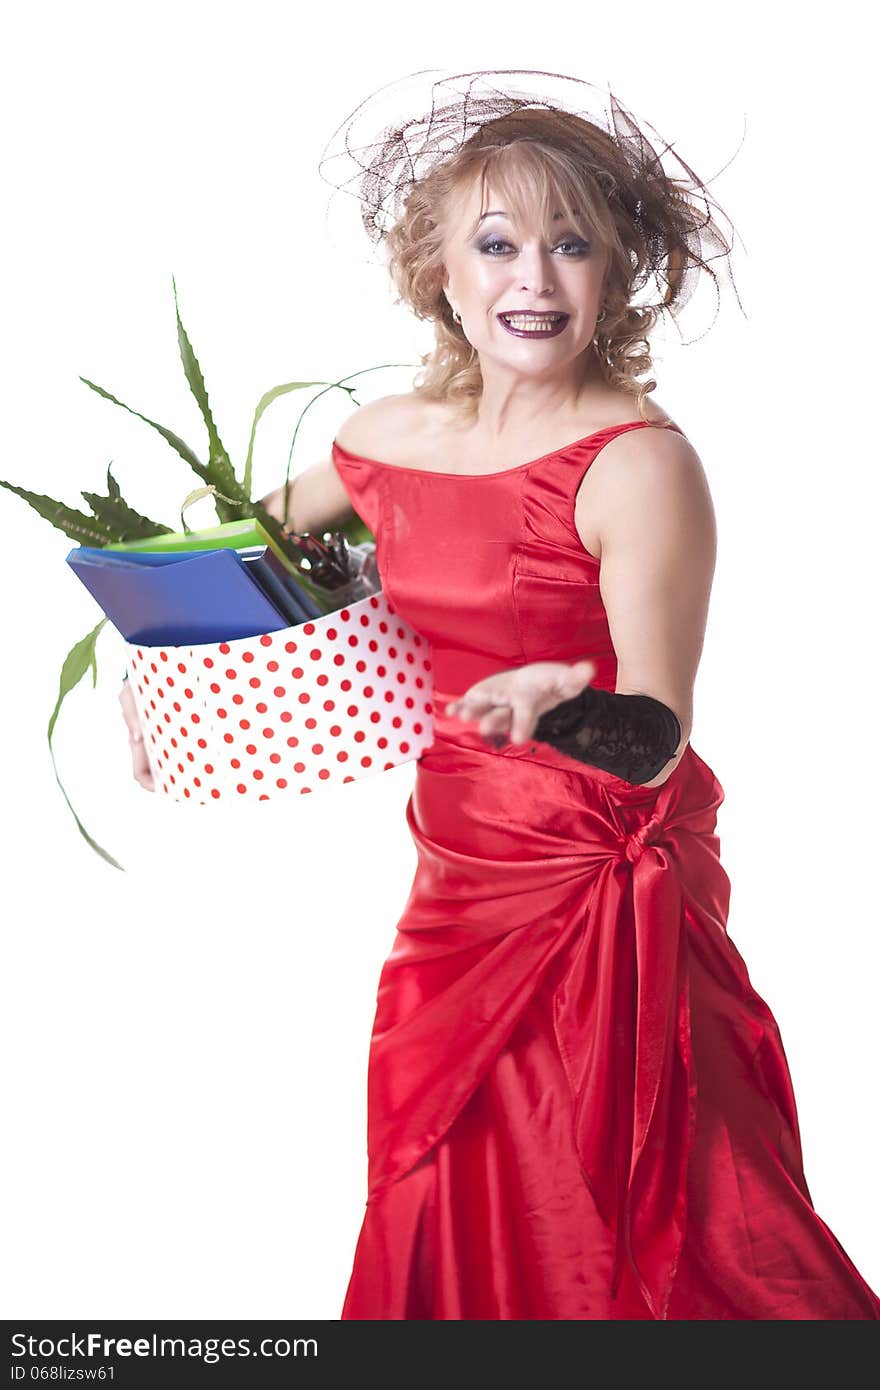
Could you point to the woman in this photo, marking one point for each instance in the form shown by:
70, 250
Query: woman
578, 1106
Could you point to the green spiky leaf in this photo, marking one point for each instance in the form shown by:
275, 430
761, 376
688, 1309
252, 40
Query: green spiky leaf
178, 444
78, 661
220, 471
79, 526
265, 401
115, 511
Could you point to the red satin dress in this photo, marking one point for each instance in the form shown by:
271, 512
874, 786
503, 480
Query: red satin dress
578, 1106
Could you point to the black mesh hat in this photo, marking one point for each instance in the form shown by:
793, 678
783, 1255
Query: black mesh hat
396, 136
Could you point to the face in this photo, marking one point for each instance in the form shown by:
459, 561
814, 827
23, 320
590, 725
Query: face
500, 268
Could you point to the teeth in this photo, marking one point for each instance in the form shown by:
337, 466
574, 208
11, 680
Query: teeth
531, 321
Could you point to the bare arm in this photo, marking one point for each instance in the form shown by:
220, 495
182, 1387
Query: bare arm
658, 545
317, 501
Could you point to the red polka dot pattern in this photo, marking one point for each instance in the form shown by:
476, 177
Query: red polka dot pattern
285, 712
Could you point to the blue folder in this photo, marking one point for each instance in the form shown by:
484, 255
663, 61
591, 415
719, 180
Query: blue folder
291, 600
176, 598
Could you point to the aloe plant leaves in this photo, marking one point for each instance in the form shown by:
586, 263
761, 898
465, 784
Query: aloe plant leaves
114, 511
112, 519
178, 444
264, 402
219, 471
80, 659
79, 526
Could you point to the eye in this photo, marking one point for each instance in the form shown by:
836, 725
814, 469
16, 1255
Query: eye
579, 247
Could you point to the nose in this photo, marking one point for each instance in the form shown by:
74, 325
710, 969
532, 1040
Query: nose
536, 268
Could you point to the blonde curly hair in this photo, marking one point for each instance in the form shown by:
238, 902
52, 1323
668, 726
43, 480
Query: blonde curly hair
610, 183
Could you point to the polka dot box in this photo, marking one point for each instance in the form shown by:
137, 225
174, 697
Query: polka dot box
330, 700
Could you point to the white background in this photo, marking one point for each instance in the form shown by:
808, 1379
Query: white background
185, 1042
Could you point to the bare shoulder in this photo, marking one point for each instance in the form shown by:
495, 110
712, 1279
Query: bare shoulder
650, 478
645, 457
371, 428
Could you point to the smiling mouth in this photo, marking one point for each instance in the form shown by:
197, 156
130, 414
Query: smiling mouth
533, 325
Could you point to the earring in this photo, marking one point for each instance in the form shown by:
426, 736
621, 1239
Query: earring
456, 315
601, 316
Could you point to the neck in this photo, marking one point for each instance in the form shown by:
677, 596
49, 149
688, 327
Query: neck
510, 406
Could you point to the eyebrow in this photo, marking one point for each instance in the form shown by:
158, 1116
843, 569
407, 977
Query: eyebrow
499, 212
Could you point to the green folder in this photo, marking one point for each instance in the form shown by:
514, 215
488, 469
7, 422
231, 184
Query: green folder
231, 534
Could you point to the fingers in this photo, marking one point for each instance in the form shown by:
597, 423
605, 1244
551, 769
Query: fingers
140, 766
504, 715
479, 700
140, 763
471, 706
129, 709
495, 721
495, 726
510, 722
508, 706
523, 722
579, 674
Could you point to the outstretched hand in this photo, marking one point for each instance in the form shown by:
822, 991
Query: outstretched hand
510, 703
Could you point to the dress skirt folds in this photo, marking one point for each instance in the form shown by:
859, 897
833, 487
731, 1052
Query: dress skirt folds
578, 1106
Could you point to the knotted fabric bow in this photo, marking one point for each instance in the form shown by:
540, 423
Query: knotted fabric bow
626, 998
596, 885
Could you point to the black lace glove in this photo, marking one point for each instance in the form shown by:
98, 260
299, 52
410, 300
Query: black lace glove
632, 736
